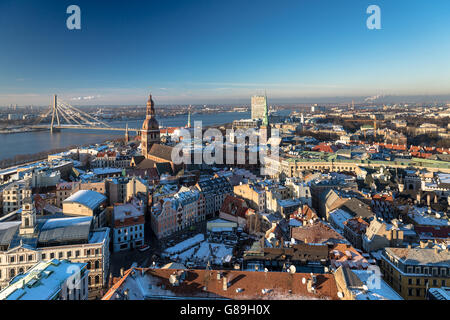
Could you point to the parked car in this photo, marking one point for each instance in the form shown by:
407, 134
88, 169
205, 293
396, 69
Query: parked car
143, 248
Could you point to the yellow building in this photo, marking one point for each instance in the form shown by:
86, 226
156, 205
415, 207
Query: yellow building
412, 271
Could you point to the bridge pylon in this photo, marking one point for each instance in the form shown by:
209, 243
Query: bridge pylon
54, 112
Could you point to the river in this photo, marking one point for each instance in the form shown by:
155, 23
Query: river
34, 142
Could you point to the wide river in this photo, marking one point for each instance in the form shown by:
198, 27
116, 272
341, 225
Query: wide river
34, 142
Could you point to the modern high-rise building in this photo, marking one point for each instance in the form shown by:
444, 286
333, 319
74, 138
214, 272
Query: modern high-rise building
259, 105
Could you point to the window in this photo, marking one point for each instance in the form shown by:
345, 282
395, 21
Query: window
60, 255
410, 292
418, 292
77, 253
409, 269
409, 281
30, 257
443, 272
418, 282
434, 282
69, 254
11, 259
52, 255
417, 269
43, 256
21, 258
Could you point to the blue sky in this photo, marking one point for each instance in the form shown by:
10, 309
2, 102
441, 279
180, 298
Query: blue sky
211, 51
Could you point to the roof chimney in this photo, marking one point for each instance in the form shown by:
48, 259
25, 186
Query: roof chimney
225, 284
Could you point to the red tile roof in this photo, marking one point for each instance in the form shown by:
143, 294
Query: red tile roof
234, 206
241, 285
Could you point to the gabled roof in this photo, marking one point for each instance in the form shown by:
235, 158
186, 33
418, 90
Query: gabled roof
234, 206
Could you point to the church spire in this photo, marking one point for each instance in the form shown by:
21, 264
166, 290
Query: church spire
189, 118
150, 108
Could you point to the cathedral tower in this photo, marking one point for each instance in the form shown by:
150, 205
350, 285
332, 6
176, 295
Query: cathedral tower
150, 129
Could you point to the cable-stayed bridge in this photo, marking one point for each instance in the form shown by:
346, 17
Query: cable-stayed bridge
65, 116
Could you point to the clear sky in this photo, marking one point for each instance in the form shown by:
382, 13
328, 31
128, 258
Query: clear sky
210, 51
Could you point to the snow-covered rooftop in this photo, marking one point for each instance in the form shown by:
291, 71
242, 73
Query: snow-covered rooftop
41, 282
88, 198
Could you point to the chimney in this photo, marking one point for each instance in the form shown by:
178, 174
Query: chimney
225, 284
309, 286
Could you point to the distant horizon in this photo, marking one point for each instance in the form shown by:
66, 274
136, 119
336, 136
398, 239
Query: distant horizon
289, 101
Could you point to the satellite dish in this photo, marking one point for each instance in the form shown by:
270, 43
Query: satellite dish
172, 279
365, 288
266, 270
340, 295
303, 280
292, 269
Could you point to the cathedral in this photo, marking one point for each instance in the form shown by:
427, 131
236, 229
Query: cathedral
150, 129
154, 154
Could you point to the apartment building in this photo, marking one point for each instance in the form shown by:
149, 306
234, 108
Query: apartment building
214, 191
14, 196
128, 225
253, 194
184, 209
412, 271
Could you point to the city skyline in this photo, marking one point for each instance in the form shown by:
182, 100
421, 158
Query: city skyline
191, 53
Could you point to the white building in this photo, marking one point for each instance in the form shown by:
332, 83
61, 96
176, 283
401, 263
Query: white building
128, 226
49, 280
31, 240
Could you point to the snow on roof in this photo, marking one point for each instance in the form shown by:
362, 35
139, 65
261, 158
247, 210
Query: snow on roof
42, 282
295, 223
339, 216
65, 222
99, 236
380, 290
184, 245
126, 210
99, 171
88, 198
